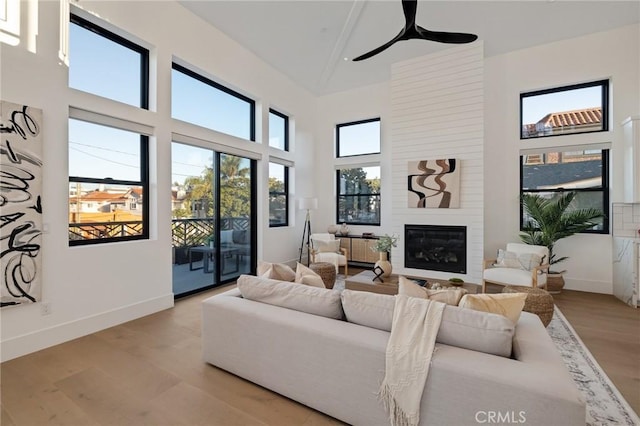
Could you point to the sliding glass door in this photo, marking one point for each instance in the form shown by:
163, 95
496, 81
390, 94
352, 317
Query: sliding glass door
213, 218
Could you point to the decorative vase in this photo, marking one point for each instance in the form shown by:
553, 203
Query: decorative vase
384, 264
332, 229
344, 229
555, 283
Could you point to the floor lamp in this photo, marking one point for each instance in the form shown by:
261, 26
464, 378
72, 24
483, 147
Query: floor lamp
307, 204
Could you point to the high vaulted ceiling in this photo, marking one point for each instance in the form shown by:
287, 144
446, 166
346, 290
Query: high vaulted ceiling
308, 40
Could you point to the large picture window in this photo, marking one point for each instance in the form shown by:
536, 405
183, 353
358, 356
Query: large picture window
201, 101
359, 196
278, 130
579, 108
108, 184
278, 195
358, 138
584, 171
107, 65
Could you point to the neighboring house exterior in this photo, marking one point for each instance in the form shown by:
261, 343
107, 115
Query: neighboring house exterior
557, 123
93, 205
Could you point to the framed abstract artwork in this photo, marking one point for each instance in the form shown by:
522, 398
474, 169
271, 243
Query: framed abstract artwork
434, 184
20, 204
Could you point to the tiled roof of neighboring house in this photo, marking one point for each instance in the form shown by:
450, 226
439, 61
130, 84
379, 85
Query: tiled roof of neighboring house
579, 117
547, 175
107, 196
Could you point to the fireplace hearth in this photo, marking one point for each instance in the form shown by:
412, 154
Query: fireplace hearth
436, 248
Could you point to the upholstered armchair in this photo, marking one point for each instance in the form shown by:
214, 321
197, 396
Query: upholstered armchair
520, 264
325, 248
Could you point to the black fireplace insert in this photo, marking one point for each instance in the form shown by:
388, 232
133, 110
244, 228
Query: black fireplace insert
436, 248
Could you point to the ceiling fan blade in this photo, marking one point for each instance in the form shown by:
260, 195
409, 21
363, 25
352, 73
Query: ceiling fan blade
381, 48
409, 7
446, 37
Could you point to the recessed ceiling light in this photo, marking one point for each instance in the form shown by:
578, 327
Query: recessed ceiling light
345, 58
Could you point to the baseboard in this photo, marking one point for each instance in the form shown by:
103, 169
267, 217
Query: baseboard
579, 284
47, 337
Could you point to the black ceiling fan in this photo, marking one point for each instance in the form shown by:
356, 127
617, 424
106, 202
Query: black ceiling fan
413, 31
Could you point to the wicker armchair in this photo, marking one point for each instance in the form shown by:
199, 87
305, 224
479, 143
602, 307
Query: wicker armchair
534, 275
325, 248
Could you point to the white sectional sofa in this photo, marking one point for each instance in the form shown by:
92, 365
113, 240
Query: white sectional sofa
336, 366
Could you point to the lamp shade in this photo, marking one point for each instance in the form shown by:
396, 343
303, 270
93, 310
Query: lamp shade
308, 203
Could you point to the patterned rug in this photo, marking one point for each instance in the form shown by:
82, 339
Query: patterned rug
605, 405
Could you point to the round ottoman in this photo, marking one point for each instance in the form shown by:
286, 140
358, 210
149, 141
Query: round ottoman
538, 301
327, 272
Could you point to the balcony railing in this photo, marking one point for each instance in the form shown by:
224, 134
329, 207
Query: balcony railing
184, 232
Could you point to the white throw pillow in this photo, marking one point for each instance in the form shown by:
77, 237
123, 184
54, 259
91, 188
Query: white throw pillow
304, 298
305, 275
332, 246
463, 328
525, 261
275, 271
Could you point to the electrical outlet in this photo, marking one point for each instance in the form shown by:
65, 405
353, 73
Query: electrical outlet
45, 308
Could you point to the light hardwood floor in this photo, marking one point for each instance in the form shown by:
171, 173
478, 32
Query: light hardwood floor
149, 371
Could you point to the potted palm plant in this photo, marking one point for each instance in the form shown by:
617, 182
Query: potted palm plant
548, 220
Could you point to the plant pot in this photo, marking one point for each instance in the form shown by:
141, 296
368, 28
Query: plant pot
384, 264
555, 283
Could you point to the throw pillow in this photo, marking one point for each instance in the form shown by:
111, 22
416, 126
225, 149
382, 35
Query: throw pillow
332, 246
409, 288
508, 305
305, 275
525, 261
303, 298
275, 271
463, 328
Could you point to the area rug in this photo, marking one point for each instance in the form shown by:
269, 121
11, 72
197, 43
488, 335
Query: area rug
605, 404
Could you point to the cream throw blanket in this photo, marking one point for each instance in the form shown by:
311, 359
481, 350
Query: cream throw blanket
409, 350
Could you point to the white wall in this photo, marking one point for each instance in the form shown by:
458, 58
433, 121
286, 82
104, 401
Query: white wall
343, 107
612, 54
91, 288
437, 112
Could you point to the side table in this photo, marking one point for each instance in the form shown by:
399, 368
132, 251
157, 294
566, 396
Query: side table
538, 301
327, 272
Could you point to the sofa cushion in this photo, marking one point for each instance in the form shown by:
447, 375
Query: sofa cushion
304, 298
449, 296
464, 328
509, 305
275, 271
512, 276
305, 275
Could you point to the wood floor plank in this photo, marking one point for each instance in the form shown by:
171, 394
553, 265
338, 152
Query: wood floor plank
111, 403
5, 418
31, 401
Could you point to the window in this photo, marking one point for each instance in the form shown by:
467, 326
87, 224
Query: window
585, 172
278, 195
278, 130
198, 100
579, 108
108, 179
359, 196
107, 65
358, 138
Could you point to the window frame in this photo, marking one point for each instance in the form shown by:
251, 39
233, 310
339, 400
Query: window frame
252, 103
286, 197
144, 183
339, 194
604, 189
286, 128
605, 106
111, 36
355, 123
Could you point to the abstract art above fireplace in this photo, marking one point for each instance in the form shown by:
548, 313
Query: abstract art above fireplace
434, 184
